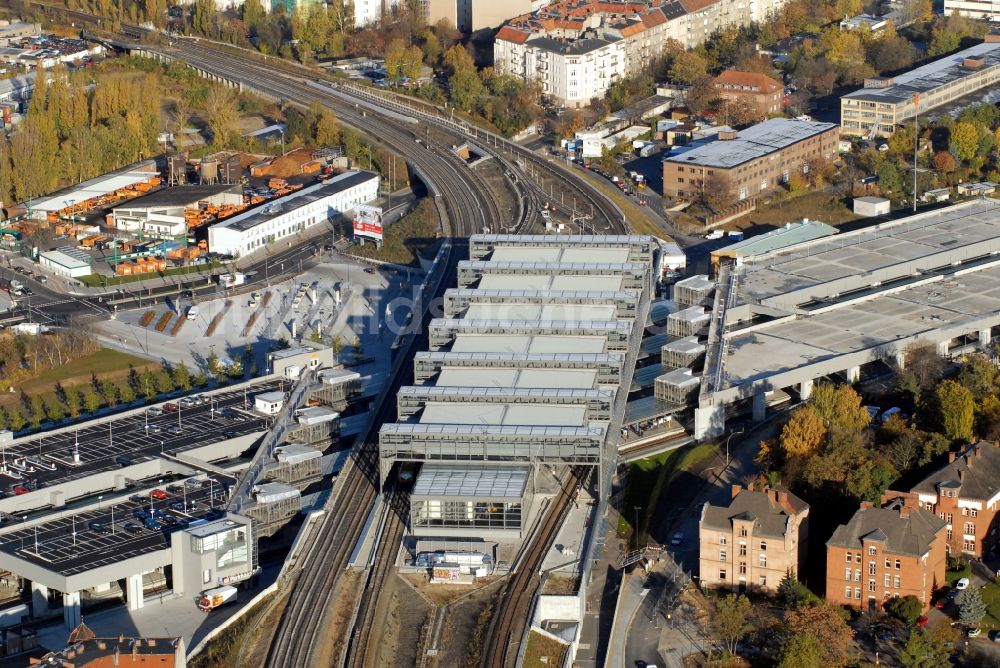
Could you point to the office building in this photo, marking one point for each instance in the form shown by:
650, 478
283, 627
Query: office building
754, 541
751, 162
884, 553
885, 102
973, 9
763, 93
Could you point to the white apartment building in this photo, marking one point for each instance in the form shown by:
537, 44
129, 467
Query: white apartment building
577, 49
974, 9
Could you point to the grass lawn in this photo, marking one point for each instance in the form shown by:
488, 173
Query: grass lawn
991, 597
819, 205
410, 235
540, 646
105, 363
99, 281
648, 478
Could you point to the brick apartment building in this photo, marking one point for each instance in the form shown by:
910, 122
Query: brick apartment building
764, 93
964, 494
751, 162
753, 541
884, 553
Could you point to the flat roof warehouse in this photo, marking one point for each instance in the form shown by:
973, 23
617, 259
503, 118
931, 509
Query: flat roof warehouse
754, 142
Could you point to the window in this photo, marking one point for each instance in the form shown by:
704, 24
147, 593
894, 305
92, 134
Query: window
763, 184
680, 180
762, 580
722, 540
763, 560
722, 555
897, 564
973, 512
763, 546
743, 549
857, 593
857, 575
857, 558
206, 576
871, 585
722, 575
847, 592
948, 518
872, 551
948, 535
888, 564
743, 531
896, 581
847, 573
888, 579
849, 557
743, 568
969, 546
970, 529
871, 568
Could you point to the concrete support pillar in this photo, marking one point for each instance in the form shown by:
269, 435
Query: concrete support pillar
759, 406
985, 335
709, 421
134, 591
71, 610
901, 361
805, 390
942, 348
854, 374
39, 599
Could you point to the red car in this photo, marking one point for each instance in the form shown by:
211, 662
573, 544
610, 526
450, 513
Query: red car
158, 494
171, 407
922, 621
941, 603
18, 489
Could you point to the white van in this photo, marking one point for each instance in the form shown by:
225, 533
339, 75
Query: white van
192, 312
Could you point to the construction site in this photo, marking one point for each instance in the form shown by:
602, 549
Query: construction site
155, 214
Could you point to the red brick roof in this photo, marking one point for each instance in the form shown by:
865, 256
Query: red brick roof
696, 5
511, 34
762, 82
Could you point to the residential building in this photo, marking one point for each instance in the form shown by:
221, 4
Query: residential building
576, 49
973, 9
367, 12
472, 15
884, 553
754, 540
885, 102
763, 92
751, 162
965, 494
873, 23
313, 205
85, 650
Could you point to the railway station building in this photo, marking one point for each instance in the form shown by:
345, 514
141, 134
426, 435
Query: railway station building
521, 381
838, 305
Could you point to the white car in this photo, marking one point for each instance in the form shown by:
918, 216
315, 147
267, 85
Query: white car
678, 538
962, 583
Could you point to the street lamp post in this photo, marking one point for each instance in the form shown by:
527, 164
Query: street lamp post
635, 510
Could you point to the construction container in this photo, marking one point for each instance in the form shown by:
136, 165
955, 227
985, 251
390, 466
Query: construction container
276, 184
313, 167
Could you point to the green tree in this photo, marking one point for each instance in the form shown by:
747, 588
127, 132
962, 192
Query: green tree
792, 592
16, 419
164, 383
253, 13
200, 379
213, 363
906, 608
221, 110
126, 393
395, 60
91, 400
327, 132
828, 625
73, 402
182, 376
965, 141
730, 621
840, 407
926, 648
802, 650
235, 369
110, 393
37, 411
147, 384
954, 410
55, 410
890, 180
980, 376
867, 480
972, 608
201, 18
687, 68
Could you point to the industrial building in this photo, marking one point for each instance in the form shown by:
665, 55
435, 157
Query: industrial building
525, 369
162, 214
790, 315
100, 192
751, 162
973, 9
884, 103
313, 205
68, 261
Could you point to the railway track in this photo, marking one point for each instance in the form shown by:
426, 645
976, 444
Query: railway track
514, 609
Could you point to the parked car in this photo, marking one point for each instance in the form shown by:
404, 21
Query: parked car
153, 428
178, 506
974, 632
677, 539
20, 489
175, 488
99, 527
158, 494
122, 460
170, 407
962, 583
140, 514
175, 430
152, 524
132, 527
137, 498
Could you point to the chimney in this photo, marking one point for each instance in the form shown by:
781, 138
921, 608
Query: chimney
978, 451
736, 489
866, 505
904, 512
951, 456
961, 474
727, 135
968, 460
992, 37
973, 62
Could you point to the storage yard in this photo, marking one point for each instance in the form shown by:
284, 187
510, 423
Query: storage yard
158, 215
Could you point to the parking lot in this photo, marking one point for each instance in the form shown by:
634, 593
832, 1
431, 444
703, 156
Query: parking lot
48, 460
75, 544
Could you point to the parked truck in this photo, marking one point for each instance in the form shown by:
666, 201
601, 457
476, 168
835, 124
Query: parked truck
232, 280
213, 598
